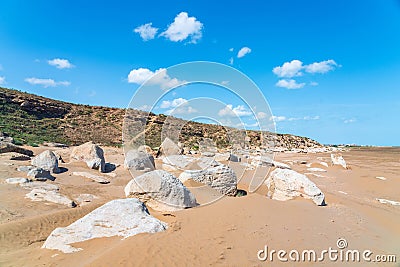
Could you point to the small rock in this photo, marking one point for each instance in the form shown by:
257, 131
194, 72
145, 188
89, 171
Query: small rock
234, 158
138, 160
38, 194
39, 174
316, 170
18, 156
96, 178
17, 180
46, 160
337, 159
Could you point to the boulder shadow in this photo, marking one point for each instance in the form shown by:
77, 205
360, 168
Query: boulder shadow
62, 170
109, 167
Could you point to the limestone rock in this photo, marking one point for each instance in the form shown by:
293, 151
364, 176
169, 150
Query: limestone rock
46, 160
17, 180
220, 177
6, 147
120, 217
337, 159
316, 170
54, 196
96, 178
161, 191
139, 160
39, 174
168, 147
90, 153
284, 184
19, 156
39, 185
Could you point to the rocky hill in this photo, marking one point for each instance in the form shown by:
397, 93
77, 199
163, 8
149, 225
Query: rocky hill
32, 120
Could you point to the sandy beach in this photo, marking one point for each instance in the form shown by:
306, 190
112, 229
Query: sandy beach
228, 232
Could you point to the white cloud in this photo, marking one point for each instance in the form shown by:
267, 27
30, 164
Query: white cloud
174, 103
146, 31
231, 111
349, 121
278, 118
184, 27
289, 84
313, 83
231, 61
231, 49
225, 82
60, 63
321, 67
158, 77
181, 110
261, 115
243, 51
2, 80
46, 82
289, 69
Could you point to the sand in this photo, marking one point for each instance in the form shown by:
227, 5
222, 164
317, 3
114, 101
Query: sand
227, 232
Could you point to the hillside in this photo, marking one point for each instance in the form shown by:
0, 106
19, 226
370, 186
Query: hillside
32, 119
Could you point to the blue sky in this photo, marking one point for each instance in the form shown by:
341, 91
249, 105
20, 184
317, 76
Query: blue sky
83, 52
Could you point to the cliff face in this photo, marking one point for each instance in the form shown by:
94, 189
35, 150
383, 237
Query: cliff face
34, 119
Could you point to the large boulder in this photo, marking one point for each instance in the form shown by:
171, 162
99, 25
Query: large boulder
91, 154
218, 176
337, 159
168, 147
139, 160
6, 147
46, 160
161, 191
120, 217
285, 184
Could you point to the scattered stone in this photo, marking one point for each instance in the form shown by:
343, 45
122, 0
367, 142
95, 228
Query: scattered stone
234, 158
208, 154
168, 147
161, 191
96, 178
139, 160
25, 168
381, 178
324, 164
40, 185
280, 165
90, 153
38, 194
40, 174
120, 217
52, 144
84, 199
284, 184
46, 160
6, 147
59, 157
222, 156
19, 156
341, 192
337, 159
175, 162
147, 149
4, 137
17, 180
316, 170
387, 201
314, 174
220, 177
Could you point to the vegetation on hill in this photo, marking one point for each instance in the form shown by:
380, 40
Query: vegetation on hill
32, 119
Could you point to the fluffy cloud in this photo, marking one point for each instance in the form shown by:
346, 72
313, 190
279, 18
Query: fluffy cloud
261, 115
289, 84
60, 63
230, 111
231, 49
174, 103
283, 118
146, 31
184, 27
243, 51
289, 69
278, 118
349, 121
2, 80
181, 110
321, 67
46, 82
158, 77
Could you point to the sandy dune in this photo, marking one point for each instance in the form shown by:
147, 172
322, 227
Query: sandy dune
228, 232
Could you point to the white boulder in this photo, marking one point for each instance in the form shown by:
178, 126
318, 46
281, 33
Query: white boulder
120, 217
161, 191
46, 160
284, 184
337, 159
220, 177
91, 154
138, 160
